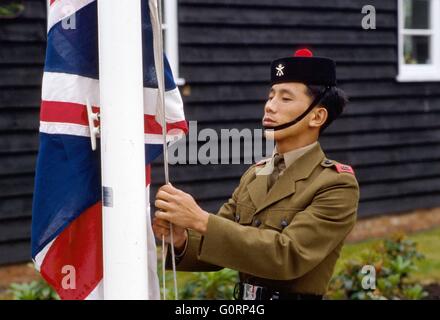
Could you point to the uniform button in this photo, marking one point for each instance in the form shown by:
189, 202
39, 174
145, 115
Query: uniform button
237, 218
284, 224
328, 161
257, 223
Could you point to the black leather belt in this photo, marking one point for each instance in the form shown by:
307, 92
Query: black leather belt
246, 291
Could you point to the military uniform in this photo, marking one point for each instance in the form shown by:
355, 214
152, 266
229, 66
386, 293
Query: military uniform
283, 232
287, 238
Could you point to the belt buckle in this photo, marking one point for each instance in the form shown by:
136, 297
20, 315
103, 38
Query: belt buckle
251, 292
275, 296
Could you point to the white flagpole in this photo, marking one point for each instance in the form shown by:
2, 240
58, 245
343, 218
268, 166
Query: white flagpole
122, 150
156, 23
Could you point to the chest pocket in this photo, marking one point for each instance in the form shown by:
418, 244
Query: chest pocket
279, 219
244, 214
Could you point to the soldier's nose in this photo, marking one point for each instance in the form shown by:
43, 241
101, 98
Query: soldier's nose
269, 107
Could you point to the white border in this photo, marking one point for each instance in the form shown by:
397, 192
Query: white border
171, 30
416, 73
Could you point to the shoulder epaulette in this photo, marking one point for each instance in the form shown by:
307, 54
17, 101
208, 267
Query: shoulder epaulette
340, 168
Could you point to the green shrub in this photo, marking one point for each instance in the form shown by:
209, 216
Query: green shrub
35, 290
393, 260
210, 285
199, 285
10, 9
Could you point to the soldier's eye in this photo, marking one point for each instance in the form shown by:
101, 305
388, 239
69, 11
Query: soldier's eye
286, 99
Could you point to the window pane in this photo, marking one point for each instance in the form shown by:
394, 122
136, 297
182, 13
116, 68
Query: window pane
417, 14
417, 49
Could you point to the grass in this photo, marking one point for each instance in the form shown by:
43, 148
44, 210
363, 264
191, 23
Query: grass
428, 243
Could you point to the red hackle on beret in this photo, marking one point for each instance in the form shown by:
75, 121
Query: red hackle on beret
303, 53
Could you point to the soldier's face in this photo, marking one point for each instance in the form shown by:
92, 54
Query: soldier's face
286, 102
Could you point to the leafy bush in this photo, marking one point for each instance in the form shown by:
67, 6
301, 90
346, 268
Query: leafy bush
10, 9
201, 285
393, 261
35, 290
210, 285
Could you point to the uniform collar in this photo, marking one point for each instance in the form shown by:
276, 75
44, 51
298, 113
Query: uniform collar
291, 156
286, 184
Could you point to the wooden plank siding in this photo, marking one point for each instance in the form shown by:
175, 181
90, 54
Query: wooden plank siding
389, 133
22, 49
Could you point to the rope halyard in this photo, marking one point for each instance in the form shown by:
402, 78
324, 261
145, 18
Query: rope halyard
156, 22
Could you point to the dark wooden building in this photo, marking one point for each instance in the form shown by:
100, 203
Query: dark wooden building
389, 133
22, 49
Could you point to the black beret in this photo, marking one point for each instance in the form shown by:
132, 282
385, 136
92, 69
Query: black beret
305, 68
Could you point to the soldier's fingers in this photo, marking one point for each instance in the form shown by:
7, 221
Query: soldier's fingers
163, 195
169, 189
163, 205
159, 231
164, 232
161, 223
164, 215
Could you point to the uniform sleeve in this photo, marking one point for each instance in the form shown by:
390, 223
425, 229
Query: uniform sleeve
189, 260
298, 248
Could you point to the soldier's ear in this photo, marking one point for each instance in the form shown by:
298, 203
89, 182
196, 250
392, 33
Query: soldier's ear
318, 117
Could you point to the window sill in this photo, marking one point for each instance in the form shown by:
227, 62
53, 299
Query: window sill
418, 78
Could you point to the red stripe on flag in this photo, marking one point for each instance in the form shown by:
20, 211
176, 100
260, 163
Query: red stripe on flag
152, 126
66, 112
147, 175
74, 113
78, 248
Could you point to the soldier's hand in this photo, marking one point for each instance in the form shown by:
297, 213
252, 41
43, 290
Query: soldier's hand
162, 227
181, 209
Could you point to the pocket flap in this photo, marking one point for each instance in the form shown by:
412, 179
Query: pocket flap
244, 214
279, 219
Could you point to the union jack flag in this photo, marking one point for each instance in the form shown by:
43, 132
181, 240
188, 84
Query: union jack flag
66, 221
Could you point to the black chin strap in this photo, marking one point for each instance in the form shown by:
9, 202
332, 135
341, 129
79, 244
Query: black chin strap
314, 103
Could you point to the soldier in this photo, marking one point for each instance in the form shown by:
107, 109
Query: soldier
285, 223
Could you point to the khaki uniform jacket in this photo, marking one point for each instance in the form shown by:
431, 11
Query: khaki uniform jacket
288, 238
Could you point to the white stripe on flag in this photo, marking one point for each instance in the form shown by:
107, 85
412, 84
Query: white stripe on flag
83, 131
97, 293
64, 128
153, 280
151, 138
64, 87
39, 258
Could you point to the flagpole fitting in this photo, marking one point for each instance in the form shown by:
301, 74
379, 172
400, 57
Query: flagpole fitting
94, 130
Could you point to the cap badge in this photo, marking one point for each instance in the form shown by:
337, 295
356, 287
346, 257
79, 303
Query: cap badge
280, 71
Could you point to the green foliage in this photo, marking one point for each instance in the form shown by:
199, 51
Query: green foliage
210, 285
10, 9
200, 285
393, 259
35, 290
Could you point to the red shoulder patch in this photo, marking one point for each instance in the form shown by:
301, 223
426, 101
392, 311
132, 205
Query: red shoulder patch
344, 168
263, 161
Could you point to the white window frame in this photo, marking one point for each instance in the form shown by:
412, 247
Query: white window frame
171, 31
421, 72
